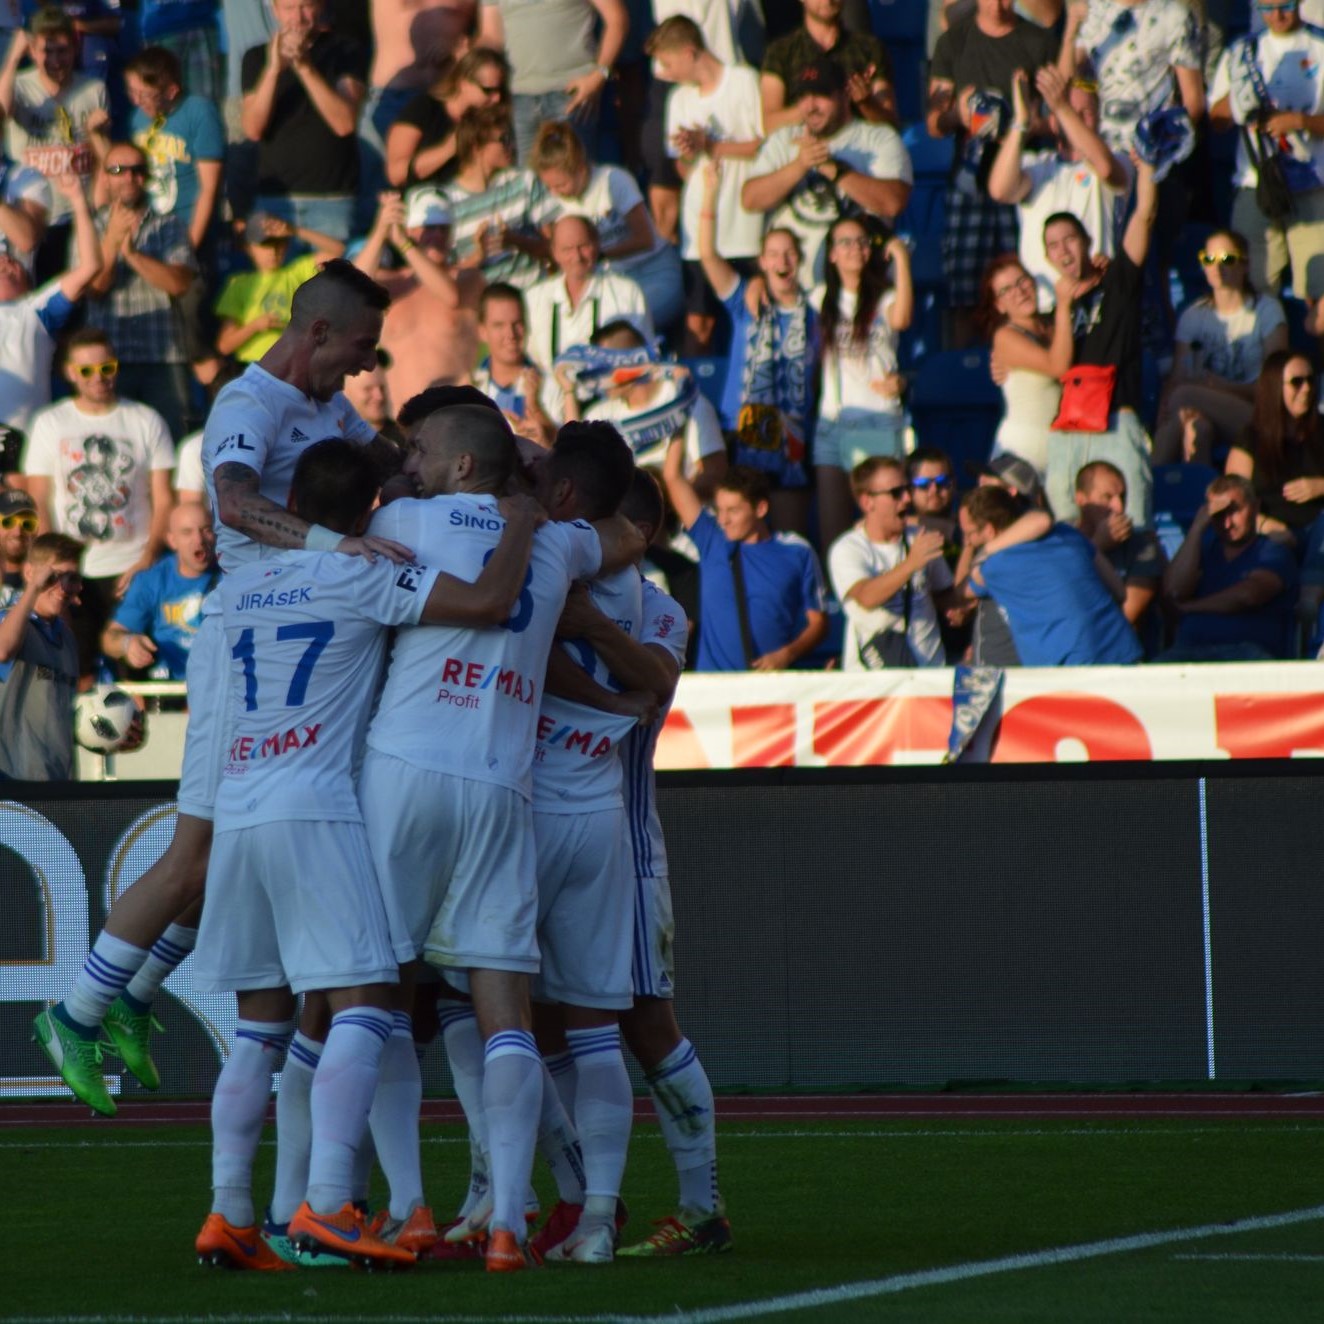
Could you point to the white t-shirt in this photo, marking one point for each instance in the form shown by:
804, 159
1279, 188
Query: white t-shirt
1134, 49
848, 368
664, 623
1292, 68
23, 184
265, 423
1230, 345
100, 467
463, 701
188, 466
875, 150
609, 197
703, 431
1057, 185
27, 347
853, 558
304, 632
576, 764
733, 113
715, 19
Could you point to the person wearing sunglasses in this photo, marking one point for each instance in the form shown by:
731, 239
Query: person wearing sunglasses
932, 488
99, 469
18, 527
1271, 80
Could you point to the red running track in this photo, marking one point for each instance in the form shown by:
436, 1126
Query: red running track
792, 1108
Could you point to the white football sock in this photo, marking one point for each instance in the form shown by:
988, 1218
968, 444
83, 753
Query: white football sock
294, 1127
512, 1104
168, 952
604, 1113
559, 1145
106, 973
683, 1099
561, 1068
342, 1093
464, 1054
394, 1118
238, 1108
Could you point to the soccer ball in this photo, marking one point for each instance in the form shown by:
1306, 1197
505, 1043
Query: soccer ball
102, 718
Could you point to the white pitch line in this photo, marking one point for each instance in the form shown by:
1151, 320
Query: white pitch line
777, 1305
1283, 1258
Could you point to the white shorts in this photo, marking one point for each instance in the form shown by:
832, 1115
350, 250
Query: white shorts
654, 935
585, 909
455, 859
205, 739
292, 903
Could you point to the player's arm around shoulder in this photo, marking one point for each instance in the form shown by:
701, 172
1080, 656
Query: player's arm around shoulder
621, 542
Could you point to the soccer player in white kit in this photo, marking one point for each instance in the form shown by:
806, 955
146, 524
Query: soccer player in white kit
294, 903
258, 427
446, 781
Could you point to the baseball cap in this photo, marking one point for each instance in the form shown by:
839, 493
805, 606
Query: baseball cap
426, 207
13, 502
822, 77
264, 228
1017, 474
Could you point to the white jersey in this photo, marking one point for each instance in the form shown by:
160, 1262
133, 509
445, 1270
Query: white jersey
265, 423
304, 632
465, 701
663, 623
576, 764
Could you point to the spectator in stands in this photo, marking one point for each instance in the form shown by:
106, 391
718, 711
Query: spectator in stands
1080, 174
1281, 103
1106, 318
703, 447
25, 211
99, 466
808, 174
370, 394
152, 629
18, 527
254, 306
1057, 592
1030, 353
189, 483
1233, 588
147, 262
39, 665
420, 143
868, 301
56, 120
302, 94
768, 398
430, 331
980, 54
30, 319
1281, 450
1222, 342
187, 30
862, 57
932, 489
889, 575
1135, 554
760, 593
610, 198
712, 113
1018, 477
497, 209
558, 68
566, 309
507, 375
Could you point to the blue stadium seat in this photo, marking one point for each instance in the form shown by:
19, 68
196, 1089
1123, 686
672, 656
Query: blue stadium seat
909, 61
1295, 311
899, 20
1179, 490
928, 156
710, 374
955, 406
924, 335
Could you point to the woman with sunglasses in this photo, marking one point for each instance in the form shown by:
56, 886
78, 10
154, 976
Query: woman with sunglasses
1223, 340
868, 300
420, 144
497, 208
610, 198
1030, 352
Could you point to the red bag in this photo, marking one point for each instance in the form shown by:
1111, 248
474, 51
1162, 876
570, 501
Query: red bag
1087, 398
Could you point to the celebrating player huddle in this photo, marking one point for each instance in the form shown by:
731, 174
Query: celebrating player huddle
410, 840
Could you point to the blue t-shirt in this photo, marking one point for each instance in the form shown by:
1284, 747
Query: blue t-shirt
782, 583
192, 132
797, 380
1269, 625
163, 18
167, 607
1060, 612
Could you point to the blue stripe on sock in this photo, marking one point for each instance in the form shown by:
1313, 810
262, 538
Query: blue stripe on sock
402, 1023
374, 1025
685, 1061
559, 1063
165, 950
452, 1017
266, 1040
301, 1054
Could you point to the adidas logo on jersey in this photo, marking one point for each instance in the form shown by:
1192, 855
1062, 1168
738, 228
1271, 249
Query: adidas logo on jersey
296, 435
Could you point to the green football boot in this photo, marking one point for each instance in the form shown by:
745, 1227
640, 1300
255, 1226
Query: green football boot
78, 1060
131, 1033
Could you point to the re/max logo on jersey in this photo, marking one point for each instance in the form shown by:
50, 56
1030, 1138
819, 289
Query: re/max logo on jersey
572, 738
479, 676
247, 748
288, 597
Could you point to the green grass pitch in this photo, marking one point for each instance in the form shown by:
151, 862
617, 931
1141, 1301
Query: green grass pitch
920, 1215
